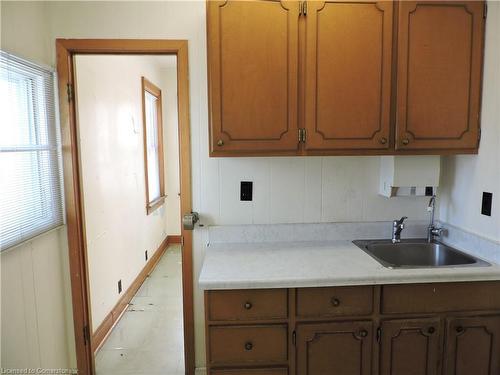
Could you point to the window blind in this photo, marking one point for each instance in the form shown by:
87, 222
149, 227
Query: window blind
31, 199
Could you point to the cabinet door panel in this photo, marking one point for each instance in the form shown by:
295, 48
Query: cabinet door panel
440, 47
473, 346
410, 347
252, 64
348, 74
334, 348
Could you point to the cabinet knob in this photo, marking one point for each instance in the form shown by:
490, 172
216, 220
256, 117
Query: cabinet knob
363, 333
220, 143
431, 330
405, 141
248, 346
247, 305
460, 329
335, 302
383, 140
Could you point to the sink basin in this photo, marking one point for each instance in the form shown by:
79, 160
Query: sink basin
417, 254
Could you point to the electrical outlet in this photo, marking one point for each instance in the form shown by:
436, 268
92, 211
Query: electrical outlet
146, 255
246, 191
119, 286
486, 203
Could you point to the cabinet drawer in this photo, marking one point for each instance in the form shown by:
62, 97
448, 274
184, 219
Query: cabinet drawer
247, 304
246, 345
258, 371
334, 301
441, 297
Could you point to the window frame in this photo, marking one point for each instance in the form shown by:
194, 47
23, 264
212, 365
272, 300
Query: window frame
149, 87
41, 88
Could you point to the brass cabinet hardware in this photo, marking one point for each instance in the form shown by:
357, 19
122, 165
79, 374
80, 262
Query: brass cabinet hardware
302, 135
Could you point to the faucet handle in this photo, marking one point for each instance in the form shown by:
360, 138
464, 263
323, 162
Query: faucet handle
400, 221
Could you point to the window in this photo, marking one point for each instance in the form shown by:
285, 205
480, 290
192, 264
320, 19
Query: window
30, 178
153, 145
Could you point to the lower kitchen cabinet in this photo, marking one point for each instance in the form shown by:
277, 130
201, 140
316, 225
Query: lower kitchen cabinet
334, 348
410, 347
473, 346
417, 329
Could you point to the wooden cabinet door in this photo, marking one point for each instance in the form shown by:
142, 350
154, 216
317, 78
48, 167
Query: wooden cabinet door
252, 73
473, 346
348, 74
440, 52
410, 347
334, 348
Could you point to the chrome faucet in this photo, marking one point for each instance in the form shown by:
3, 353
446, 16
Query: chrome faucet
432, 230
397, 228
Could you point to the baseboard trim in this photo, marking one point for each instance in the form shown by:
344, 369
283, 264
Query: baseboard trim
105, 328
174, 239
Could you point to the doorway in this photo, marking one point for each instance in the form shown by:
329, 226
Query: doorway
76, 178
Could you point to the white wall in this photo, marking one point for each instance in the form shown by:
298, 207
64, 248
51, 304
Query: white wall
118, 228
286, 189
465, 177
170, 130
36, 314
34, 304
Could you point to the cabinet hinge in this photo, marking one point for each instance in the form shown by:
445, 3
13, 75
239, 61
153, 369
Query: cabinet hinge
294, 338
182, 240
478, 137
86, 334
485, 12
302, 135
69, 91
379, 334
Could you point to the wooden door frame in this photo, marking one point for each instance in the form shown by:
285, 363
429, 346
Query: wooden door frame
66, 49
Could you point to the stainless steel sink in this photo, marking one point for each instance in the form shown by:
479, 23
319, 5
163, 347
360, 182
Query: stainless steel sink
417, 254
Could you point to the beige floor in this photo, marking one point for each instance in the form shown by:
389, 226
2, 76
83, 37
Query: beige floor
148, 340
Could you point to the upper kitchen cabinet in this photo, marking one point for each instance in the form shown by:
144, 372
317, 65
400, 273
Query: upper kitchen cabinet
253, 76
348, 75
440, 52
344, 77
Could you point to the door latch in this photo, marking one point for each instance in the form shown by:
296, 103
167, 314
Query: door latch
189, 220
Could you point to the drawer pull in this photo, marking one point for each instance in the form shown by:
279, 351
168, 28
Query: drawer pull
248, 346
431, 330
335, 302
363, 333
247, 305
460, 329
220, 143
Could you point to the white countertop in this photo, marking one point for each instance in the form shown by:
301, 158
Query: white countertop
315, 264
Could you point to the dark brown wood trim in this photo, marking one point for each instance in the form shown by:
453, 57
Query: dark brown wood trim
104, 329
66, 49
